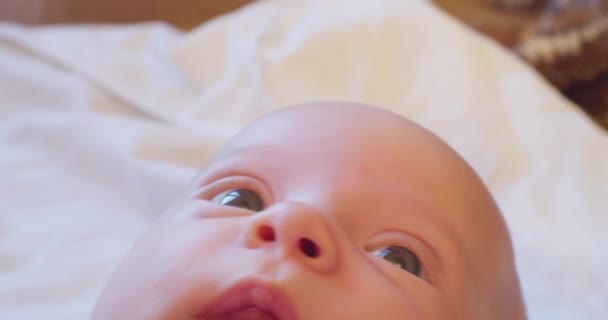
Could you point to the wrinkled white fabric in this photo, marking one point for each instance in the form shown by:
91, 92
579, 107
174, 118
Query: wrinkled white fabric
102, 126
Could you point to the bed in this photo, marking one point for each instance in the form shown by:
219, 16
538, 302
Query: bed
101, 126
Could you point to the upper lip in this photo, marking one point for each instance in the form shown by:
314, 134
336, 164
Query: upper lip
238, 296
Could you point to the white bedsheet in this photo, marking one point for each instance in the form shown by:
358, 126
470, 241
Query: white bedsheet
101, 126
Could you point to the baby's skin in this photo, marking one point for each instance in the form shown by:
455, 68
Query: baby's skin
324, 211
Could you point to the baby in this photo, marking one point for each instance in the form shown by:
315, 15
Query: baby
324, 211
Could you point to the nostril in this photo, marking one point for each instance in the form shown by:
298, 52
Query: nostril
266, 233
309, 248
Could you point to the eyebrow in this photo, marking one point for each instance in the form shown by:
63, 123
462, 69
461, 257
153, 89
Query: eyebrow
231, 163
251, 150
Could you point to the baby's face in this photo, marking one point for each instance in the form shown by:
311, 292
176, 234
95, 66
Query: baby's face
326, 211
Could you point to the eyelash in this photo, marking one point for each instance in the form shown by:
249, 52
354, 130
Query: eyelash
424, 267
227, 184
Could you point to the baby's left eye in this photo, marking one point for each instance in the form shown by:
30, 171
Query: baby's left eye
241, 198
402, 258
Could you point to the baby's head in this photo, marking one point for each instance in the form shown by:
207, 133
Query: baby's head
324, 211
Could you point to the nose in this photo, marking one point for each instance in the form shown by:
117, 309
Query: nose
299, 232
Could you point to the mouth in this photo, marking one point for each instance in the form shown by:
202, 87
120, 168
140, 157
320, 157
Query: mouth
249, 300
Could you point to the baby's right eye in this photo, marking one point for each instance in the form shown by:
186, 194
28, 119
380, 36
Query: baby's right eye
240, 198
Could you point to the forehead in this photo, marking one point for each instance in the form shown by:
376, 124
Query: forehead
377, 152
333, 139
372, 157
391, 179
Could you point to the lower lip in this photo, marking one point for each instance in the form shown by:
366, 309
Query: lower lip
250, 313
250, 300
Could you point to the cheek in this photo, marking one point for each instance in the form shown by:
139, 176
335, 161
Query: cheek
170, 254
180, 250
382, 291
175, 264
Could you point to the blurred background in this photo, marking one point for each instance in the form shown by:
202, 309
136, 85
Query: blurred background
185, 14
565, 40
